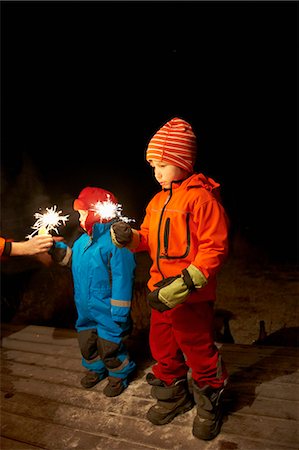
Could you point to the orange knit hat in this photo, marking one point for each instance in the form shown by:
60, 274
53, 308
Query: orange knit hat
174, 143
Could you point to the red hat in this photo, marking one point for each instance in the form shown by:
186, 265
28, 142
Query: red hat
87, 200
174, 143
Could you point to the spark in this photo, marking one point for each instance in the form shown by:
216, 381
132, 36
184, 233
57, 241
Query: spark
49, 221
108, 210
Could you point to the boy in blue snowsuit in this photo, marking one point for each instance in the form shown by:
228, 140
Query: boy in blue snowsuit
103, 277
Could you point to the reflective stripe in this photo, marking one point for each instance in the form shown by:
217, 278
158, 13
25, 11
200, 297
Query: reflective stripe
67, 257
122, 303
121, 366
92, 361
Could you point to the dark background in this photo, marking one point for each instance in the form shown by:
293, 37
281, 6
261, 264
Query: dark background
84, 87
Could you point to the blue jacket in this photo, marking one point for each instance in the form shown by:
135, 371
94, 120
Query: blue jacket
103, 277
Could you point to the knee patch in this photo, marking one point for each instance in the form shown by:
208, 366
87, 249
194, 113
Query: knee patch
108, 352
88, 343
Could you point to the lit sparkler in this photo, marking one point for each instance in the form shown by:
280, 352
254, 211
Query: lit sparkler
49, 221
108, 210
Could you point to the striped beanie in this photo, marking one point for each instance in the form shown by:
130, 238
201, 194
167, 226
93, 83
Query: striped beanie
174, 143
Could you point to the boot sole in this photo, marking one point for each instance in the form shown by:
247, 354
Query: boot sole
89, 385
113, 394
181, 410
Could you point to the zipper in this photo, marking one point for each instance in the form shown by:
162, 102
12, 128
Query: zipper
166, 236
159, 228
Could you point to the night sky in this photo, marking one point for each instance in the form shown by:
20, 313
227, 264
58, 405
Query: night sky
86, 85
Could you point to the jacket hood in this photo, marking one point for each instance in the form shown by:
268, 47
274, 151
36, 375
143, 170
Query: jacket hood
98, 229
200, 180
88, 200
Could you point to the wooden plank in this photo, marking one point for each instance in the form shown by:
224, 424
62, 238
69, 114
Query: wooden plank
98, 420
10, 444
266, 406
232, 353
139, 392
51, 375
269, 389
62, 362
237, 378
26, 336
8, 328
272, 430
37, 347
57, 437
63, 438
108, 420
230, 350
226, 441
239, 356
252, 356
60, 375
41, 371
260, 375
133, 405
260, 370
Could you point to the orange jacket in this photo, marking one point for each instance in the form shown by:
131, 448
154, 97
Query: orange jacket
2, 245
186, 225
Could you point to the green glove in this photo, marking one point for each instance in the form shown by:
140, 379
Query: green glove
177, 291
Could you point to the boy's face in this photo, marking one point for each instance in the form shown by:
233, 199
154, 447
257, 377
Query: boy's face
82, 217
166, 173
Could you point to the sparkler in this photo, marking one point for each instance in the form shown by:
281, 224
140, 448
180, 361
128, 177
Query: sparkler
108, 210
48, 221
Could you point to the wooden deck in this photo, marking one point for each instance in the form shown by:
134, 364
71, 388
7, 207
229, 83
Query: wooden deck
43, 405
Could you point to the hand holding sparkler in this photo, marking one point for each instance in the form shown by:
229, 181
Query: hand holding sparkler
34, 246
121, 234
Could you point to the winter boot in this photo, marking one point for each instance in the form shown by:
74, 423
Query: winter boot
91, 379
114, 387
172, 400
208, 421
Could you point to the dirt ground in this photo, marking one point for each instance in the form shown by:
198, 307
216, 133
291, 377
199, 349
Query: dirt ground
254, 293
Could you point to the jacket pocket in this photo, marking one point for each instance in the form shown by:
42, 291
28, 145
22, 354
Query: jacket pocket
176, 248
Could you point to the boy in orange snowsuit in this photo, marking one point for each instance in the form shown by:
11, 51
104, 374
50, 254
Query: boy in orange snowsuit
185, 231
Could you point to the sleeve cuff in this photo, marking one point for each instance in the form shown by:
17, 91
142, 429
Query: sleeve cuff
197, 276
7, 249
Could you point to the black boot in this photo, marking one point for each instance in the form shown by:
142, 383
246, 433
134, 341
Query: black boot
208, 421
172, 400
91, 379
114, 387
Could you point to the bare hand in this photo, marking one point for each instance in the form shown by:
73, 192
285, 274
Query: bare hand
34, 246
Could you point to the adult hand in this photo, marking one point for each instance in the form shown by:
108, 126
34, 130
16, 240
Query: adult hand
34, 246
